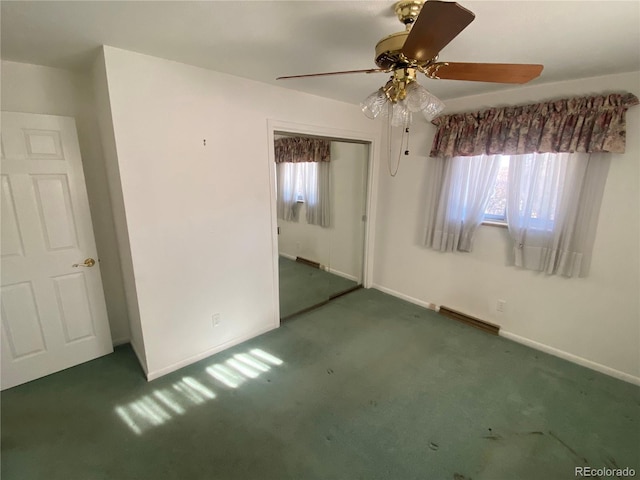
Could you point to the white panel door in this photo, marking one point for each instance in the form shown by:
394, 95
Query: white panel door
53, 313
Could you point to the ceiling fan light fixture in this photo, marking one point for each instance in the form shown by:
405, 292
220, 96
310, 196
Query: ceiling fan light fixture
399, 100
374, 104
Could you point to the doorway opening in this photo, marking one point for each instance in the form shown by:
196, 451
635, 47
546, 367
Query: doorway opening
318, 262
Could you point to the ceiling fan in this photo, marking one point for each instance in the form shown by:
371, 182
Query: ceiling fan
429, 27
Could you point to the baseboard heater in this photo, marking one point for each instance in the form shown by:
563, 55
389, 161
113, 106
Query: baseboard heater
311, 263
469, 320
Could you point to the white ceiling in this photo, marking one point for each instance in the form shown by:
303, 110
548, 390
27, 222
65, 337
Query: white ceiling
261, 40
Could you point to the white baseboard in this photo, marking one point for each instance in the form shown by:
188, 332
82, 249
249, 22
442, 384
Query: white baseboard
330, 270
530, 343
422, 303
207, 353
344, 275
572, 358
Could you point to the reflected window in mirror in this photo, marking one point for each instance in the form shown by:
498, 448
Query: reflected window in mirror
304, 183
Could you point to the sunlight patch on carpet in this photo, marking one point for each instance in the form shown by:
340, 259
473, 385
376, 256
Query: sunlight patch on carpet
164, 404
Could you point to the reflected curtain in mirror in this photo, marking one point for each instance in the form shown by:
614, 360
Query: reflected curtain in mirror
302, 169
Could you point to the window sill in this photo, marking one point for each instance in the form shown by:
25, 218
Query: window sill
493, 223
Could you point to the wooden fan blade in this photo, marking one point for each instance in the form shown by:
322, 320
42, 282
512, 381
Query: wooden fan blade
485, 72
437, 24
370, 70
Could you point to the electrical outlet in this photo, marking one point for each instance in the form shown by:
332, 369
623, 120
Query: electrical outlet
500, 305
216, 319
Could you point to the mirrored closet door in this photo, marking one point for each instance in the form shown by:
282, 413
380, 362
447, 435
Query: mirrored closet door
321, 195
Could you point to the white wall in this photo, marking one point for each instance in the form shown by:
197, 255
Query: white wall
199, 218
37, 89
339, 247
595, 320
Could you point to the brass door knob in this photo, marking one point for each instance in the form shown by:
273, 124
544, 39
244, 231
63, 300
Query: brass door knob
89, 262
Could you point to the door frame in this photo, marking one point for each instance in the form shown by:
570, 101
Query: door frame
274, 126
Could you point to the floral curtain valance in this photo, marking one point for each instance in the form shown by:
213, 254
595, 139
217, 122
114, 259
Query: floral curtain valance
302, 149
580, 124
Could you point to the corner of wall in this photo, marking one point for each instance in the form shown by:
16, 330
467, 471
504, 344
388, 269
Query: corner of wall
100, 83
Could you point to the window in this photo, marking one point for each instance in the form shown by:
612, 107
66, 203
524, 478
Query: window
550, 201
297, 173
542, 182
496, 210
304, 183
302, 175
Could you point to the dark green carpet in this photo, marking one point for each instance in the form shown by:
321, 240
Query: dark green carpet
302, 286
370, 388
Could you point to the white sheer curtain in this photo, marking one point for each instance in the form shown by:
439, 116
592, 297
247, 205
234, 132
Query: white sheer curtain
288, 187
308, 182
317, 193
552, 209
464, 185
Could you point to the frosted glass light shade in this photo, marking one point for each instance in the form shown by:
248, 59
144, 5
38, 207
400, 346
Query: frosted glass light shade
432, 110
420, 99
373, 105
401, 116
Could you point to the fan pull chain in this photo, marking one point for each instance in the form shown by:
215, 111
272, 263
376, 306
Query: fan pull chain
406, 129
403, 139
